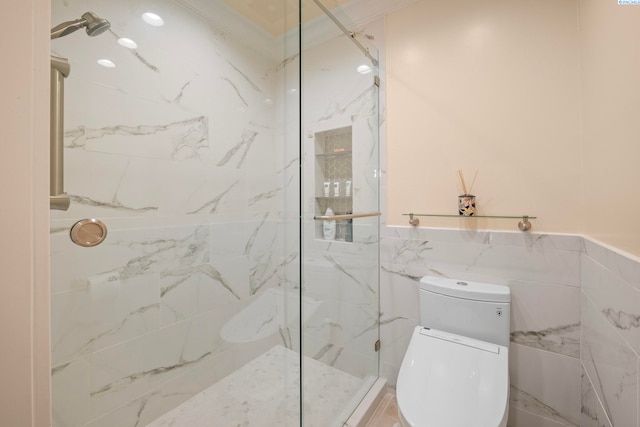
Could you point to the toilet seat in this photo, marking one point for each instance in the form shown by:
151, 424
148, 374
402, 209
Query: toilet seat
448, 380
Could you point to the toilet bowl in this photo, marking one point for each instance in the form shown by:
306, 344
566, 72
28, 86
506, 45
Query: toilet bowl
455, 372
448, 380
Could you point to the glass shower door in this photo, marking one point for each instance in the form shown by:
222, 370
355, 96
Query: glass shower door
182, 138
340, 276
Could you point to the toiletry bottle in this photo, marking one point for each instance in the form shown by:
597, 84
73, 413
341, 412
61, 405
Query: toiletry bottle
329, 226
348, 234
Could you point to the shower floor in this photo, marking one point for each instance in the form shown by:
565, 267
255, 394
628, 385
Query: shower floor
266, 392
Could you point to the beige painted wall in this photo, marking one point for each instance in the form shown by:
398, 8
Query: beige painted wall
488, 85
24, 251
610, 40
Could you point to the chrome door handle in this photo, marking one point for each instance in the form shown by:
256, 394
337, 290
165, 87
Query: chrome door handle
59, 200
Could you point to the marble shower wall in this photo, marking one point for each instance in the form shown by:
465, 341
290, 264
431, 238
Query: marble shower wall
183, 151
543, 272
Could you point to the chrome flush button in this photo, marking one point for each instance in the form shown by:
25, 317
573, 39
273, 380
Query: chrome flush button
88, 232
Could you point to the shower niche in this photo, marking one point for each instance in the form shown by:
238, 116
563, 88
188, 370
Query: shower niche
333, 150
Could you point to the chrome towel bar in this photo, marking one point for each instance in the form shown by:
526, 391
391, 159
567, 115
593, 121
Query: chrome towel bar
345, 216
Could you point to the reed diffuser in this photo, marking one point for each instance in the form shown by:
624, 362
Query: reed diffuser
466, 201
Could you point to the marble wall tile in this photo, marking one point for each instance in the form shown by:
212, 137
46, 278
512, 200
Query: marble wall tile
172, 149
187, 292
593, 414
98, 316
149, 406
484, 262
202, 190
616, 299
400, 314
70, 393
126, 253
611, 365
622, 264
535, 375
553, 326
519, 417
120, 373
499, 238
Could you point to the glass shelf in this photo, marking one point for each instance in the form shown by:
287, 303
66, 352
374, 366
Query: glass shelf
334, 154
523, 225
335, 198
474, 216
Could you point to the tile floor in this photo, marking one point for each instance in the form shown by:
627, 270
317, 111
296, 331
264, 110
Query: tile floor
386, 415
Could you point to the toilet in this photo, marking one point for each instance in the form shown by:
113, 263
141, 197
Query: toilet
455, 372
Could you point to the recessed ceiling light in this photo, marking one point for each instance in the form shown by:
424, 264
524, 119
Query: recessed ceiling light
152, 19
106, 63
268, 101
363, 69
128, 43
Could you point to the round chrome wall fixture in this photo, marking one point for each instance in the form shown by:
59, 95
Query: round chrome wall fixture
88, 232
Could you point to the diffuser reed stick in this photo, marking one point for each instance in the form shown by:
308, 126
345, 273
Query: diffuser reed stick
473, 182
461, 178
464, 184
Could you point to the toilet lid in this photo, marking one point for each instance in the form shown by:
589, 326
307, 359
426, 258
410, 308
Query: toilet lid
448, 380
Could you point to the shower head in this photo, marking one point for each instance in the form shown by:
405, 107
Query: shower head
93, 24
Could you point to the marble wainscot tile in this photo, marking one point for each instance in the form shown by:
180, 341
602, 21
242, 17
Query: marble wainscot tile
70, 393
553, 326
495, 238
400, 313
620, 263
435, 234
485, 262
616, 299
345, 344
519, 417
103, 314
568, 242
593, 414
127, 253
534, 377
611, 365
120, 373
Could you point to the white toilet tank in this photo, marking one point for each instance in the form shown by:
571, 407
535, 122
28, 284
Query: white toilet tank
472, 309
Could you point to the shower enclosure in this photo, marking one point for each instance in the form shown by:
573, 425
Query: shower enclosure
202, 136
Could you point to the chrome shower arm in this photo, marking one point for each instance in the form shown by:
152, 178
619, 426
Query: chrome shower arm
67, 28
